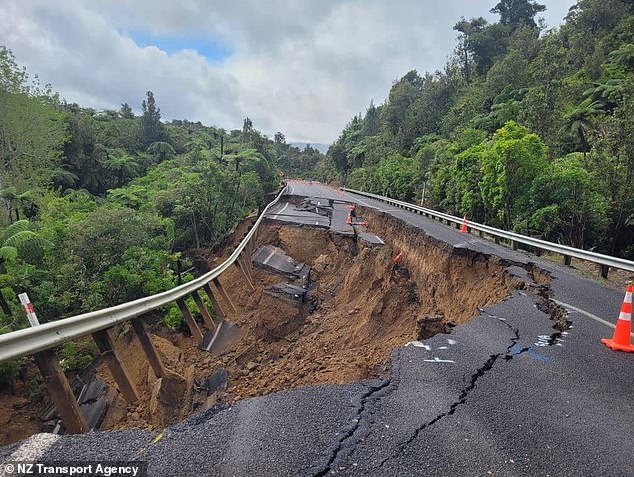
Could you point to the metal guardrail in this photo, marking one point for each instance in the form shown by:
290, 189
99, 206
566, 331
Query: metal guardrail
566, 251
29, 341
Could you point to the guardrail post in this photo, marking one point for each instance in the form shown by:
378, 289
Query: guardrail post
203, 311
513, 245
60, 392
224, 295
189, 319
219, 311
481, 233
244, 273
567, 260
148, 347
605, 269
115, 364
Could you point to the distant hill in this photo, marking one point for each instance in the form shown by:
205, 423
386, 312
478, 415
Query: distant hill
323, 148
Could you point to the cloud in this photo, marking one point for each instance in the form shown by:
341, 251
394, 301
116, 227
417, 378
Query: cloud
301, 67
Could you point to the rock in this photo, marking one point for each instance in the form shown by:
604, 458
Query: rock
430, 325
20, 403
321, 263
218, 381
167, 395
251, 365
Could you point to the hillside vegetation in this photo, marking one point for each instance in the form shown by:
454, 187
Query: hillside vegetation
526, 129
101, 207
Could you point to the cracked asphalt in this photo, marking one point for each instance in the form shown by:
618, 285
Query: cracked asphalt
505, 395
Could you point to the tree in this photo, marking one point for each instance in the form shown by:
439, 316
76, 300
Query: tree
567, 205
163, 150
152, 129
122, 164
126, 111
32, 129
17, 240
518, 12
372, 121
279, 138
338, 154
517, 157
465, 48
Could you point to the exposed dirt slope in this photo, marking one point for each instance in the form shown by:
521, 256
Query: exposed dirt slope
360, 308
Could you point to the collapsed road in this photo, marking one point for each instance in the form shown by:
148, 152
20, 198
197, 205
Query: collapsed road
523, 388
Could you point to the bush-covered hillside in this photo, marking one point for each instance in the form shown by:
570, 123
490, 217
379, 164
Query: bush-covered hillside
525, 128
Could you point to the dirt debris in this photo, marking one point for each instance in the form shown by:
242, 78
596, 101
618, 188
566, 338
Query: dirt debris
362, 306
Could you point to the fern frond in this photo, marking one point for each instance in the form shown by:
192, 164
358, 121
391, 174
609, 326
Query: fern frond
8, 254
15, 228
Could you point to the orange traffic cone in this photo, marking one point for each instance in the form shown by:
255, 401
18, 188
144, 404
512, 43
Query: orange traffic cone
463, 227
621, 340
397, 258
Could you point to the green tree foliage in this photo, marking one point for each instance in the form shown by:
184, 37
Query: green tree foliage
518, 12
151, 127
515, 159
524, 129
114, 201
32, 128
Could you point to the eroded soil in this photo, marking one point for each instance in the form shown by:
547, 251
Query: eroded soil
359, 308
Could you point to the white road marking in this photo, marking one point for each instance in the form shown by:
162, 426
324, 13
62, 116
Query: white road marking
451, 342
418, 344
283, 209
269, 257
438, 360
290, 189
585, 313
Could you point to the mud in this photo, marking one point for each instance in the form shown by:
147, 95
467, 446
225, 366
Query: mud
359, 307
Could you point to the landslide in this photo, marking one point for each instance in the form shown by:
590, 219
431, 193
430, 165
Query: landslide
359, 308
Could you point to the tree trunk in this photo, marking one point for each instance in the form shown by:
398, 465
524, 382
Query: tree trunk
6, 309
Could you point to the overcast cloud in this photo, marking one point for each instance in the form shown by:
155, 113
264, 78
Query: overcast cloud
302, 67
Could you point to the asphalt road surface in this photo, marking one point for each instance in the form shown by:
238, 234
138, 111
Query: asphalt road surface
501, 395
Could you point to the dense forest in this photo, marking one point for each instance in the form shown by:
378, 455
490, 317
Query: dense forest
101, 207
526, 129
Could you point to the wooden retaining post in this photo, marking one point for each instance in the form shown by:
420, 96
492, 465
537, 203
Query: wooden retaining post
248, 263
605, 269
115, 364
203, 311
567, 260
148, 347
223, 293
219, 311
243, 271
189, 319
60, 392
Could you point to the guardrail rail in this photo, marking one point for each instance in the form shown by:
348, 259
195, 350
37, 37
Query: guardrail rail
40, 340
605, 261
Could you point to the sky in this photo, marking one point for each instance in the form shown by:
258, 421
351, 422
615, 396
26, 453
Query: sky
302, 67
